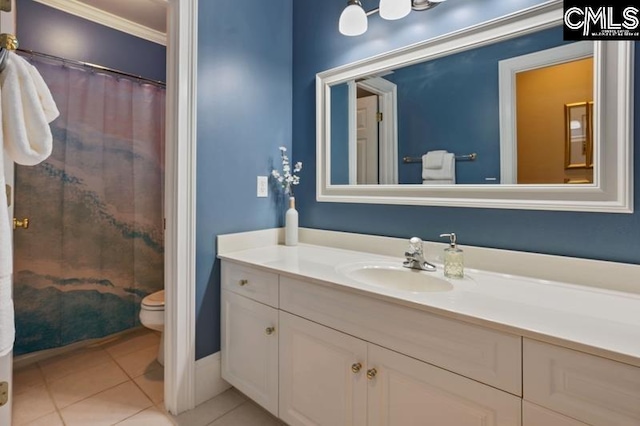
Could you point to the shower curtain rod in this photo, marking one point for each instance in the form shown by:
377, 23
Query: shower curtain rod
92, 66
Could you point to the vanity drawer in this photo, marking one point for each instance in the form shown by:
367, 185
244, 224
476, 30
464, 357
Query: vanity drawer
594, 390
255, 284
485, 355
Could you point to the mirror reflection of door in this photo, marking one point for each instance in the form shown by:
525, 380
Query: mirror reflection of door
554, 145
367, 139
373, 136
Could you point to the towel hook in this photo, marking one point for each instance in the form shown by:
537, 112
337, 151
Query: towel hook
7, 42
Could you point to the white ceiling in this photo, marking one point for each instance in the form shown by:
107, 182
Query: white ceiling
149, 13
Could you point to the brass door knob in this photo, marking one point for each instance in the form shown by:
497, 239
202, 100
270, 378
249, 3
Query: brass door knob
371, 374
270, 330
356, 367
24, 223
242, 283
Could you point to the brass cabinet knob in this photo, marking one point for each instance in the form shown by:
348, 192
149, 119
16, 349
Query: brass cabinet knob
24, 223
356, 367
270, 330
371, 374
242, 283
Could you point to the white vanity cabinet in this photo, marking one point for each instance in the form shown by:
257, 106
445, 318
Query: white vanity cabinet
591, 389
250, 334
408, 392
322, 375
330, 378
318, 355
321, 355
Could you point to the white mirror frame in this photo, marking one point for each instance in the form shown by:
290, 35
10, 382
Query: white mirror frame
612, 190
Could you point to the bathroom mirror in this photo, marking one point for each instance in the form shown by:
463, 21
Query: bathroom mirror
494, 99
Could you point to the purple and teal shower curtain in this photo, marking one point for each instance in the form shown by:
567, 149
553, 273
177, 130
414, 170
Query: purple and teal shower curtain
94, 246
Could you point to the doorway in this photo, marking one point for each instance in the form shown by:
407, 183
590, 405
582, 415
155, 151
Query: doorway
381, 162
179, 205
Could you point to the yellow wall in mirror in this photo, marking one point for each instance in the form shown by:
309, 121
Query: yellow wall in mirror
541, 95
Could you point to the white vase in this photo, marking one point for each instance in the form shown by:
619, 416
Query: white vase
291, 224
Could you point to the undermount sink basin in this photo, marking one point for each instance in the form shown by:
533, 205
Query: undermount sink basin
392, 276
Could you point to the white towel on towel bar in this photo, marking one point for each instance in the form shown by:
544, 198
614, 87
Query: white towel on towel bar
27, 108
432, 160
445, 174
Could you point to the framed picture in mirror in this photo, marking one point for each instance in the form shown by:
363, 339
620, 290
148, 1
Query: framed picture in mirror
578, 135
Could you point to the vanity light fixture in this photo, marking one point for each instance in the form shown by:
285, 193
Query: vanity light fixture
353, 20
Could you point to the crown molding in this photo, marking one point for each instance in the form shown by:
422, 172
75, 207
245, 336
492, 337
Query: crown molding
110, 20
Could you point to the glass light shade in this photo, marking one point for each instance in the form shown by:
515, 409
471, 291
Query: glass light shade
394, 9
353, 21
437, 1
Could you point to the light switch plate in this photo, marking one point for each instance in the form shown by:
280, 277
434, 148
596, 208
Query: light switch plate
263, 186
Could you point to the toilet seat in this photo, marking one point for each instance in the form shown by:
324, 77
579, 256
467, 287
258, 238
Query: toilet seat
154, 301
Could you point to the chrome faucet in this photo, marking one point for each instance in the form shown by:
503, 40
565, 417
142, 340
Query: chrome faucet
415, 257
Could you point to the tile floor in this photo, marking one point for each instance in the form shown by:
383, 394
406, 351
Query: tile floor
118, 383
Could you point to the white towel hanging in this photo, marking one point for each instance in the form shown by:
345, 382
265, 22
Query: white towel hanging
445, 174
27, 108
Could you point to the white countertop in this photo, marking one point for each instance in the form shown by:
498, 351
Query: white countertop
597, 321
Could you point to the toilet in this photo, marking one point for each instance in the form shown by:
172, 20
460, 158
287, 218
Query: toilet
152, 316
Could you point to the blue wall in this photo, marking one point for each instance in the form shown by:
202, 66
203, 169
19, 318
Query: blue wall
317, 46
463, 87
244, 115
47, 30
340, 134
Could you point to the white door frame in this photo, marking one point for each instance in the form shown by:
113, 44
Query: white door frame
388, 137
180, 206
8, 25
180, 202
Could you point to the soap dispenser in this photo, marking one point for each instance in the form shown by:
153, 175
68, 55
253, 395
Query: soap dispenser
453, 258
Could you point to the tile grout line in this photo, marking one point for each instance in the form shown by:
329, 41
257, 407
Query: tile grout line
46, 386
127, 418
58, 410
88, 396
132, 380
228, 412
127, 354
80, 350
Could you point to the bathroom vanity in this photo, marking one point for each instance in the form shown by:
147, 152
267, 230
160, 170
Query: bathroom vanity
316, 344
339, 334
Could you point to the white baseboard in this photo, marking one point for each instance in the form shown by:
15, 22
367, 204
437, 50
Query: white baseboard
25, 360
209, 382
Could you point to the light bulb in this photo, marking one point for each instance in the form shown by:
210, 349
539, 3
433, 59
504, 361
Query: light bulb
353, 20
394, 9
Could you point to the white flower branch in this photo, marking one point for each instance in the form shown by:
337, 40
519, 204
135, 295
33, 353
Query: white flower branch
287, 179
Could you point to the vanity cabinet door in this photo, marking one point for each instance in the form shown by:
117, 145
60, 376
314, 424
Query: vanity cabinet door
533, 415
594, 390
250, 348
405, 391
322, 375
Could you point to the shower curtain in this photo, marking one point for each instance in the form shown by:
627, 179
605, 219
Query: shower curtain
95, 246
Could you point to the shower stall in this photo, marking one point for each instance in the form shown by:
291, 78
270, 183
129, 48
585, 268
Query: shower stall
94, 245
